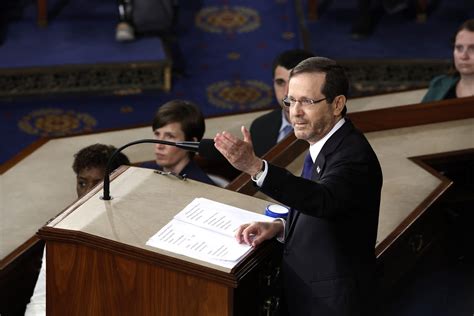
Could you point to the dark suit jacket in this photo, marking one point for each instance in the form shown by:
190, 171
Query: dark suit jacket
329, 254
264, 131
192, 171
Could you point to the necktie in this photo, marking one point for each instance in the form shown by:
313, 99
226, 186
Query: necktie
306, 173
307, 167
284, 132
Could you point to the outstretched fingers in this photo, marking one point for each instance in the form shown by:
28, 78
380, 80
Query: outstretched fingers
246, 134
225, 143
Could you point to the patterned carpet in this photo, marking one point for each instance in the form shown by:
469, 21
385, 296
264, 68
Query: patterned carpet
221, 51
228, 48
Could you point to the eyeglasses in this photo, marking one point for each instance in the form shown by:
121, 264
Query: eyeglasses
288, 101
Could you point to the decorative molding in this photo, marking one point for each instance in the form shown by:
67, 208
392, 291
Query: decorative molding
371, 77
117, 78
367, 77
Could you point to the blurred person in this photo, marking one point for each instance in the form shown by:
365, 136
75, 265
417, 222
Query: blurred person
142, 17
179, 120
125, 30
460, 82
367, 14
89, 166
269, 129
90, 163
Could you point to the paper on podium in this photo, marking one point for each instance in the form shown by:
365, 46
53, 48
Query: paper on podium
205, 230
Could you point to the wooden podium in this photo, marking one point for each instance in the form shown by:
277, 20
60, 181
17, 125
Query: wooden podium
98, 263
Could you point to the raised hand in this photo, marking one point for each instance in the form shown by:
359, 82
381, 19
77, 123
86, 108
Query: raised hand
238, 152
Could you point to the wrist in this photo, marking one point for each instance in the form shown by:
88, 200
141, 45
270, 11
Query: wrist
257, 168
279, 228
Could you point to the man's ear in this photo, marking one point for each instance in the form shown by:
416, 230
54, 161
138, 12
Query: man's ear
339, 103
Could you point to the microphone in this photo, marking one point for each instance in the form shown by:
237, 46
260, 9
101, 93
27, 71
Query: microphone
204, 148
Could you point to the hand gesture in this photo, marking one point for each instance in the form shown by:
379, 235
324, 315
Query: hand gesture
238, 152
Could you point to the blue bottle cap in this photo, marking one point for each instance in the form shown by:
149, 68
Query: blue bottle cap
276, 211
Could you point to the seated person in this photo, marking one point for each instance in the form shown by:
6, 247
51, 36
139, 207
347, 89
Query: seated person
178, 120
125, 31
460, 83
145, 17
268, 129
364, 22
89, 166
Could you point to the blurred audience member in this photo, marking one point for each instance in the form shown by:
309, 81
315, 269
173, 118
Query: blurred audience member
364, 23
179, 120
145, 17
460, 82
89, 166
125, 31
270, 128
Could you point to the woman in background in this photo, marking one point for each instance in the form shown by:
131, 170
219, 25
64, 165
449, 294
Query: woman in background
90, 163
460, 83
178, 120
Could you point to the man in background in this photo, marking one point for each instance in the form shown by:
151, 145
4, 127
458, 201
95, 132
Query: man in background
268, 129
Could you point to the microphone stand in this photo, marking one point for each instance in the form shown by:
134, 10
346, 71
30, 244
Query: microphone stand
205, 147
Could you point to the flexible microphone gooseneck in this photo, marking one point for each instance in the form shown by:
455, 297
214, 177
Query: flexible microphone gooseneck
205, 148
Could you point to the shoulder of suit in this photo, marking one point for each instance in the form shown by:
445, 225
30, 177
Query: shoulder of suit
273, 116
346, 133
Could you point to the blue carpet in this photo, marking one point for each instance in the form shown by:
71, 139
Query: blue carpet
79, 35
226, 70
395, 36
226, 52
25, 121
228, 48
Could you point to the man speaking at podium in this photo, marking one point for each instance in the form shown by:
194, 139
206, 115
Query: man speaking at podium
329, 254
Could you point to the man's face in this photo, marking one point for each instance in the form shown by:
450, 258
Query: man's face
88, 178
311, 122
464, 52
280, 85
170, 156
